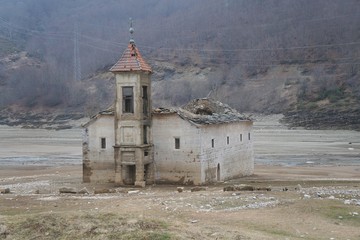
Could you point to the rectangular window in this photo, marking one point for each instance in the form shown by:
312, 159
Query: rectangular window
128, 99
240, 137
103, 143
177, 143
227, 140
145, 100
146, 153
213, 143
145, 135
249, 136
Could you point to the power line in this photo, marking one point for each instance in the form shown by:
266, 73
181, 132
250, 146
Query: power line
257, 49
77, 35
32, 32
103, 40
77, 63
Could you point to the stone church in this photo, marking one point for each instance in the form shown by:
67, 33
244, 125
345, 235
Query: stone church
131, 144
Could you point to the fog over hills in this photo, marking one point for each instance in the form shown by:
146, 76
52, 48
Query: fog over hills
298, 57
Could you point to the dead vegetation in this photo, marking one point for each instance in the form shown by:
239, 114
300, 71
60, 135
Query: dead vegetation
65, 225
294, 209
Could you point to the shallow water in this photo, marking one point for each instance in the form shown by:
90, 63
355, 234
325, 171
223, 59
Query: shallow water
39, 146
274, 144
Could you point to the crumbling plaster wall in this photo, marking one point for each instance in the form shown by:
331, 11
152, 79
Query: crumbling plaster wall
235, 159
172, 165
101, 167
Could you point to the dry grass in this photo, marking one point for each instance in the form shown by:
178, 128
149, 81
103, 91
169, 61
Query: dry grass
84, 226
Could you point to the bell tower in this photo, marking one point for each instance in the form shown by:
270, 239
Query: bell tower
133, 151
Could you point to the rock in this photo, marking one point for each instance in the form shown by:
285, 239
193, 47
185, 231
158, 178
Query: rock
83, 191
245, 188
180, 189
121, 190
229, 188
306, 196
133, 191
196, 189
67, 190
5, 190
3, 231
104, 190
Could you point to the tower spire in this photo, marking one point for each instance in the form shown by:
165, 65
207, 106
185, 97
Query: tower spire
131, 31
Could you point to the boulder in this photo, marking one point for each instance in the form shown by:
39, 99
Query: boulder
245, 188
104, 190
196, 189
83, 191
68, 190
229, 188
3, 231
5, 190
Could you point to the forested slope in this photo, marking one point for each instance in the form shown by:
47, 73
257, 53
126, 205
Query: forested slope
300, 57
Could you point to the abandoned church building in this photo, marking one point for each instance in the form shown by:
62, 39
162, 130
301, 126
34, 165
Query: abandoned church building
131, 144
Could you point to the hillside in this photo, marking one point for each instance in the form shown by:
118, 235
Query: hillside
299, 58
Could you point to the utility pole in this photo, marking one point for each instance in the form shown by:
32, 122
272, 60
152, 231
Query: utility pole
77, 63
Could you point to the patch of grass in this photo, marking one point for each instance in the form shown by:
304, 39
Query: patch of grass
85, 226
341, 213
135, 235
303, 105
333, 95
271, 230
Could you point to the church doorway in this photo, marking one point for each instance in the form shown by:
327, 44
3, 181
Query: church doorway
218, 172
130, 174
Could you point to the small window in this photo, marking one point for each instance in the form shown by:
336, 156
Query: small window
145, 100
227, 140
249, 136
240, 137
146, 153
145, 135
213, 143
177, 143
128, 99
103, 143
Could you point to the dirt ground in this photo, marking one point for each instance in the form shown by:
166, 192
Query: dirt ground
314, 177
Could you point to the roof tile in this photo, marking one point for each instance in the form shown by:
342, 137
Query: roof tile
131, 60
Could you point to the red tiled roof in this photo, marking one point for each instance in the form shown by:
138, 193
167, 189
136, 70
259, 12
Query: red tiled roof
131, 60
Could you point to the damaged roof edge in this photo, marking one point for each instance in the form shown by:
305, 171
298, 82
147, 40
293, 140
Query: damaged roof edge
198, 112
109, 111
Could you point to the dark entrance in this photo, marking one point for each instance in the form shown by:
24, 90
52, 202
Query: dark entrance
129, 174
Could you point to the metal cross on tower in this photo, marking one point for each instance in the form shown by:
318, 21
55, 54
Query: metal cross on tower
131, 30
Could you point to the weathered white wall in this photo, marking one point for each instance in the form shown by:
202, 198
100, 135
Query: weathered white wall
102, 166
130, 124
194, 163
235, 159
176, 165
